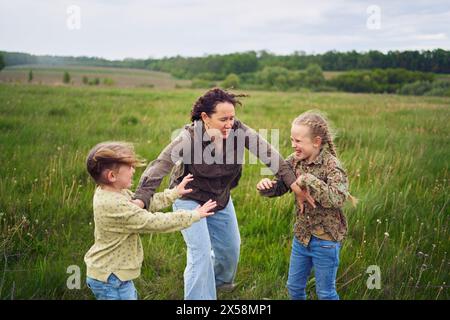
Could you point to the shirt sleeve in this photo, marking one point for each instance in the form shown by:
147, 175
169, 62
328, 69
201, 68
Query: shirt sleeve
280, 188
125, 217
268, 155
159, 168
330, 194
163, 199
276, 191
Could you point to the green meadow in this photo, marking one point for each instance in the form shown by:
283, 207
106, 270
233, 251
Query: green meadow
395, 148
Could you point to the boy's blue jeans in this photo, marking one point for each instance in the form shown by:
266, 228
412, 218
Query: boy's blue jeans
113, 289
213, 246
321, 254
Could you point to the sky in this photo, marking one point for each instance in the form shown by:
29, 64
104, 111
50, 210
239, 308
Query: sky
118, 29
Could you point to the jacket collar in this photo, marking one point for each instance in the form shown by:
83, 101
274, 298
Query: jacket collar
318, 160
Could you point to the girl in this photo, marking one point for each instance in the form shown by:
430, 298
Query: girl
318, 230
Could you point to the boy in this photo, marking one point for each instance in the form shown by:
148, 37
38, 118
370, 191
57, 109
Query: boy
116, 257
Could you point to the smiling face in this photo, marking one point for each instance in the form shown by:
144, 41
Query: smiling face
305, 146
220, 122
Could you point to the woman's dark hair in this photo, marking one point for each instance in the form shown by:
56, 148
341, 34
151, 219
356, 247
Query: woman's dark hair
207, 103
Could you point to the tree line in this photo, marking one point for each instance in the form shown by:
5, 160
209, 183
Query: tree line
217, 67
406, 72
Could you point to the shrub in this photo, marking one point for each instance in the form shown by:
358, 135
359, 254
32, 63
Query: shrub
232, 81
66, 77
108, 82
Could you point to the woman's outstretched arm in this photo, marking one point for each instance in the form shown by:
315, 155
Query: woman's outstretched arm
268, 155
159, 168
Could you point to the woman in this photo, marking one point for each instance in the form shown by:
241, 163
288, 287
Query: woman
212, 150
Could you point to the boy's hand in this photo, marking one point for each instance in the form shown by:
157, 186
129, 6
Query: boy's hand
205, 209
138, 202
265, 184
302, 195
181, 188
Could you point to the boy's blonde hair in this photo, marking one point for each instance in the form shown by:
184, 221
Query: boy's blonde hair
319, 127
110, 156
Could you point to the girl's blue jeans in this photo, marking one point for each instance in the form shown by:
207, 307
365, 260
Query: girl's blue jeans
323, 256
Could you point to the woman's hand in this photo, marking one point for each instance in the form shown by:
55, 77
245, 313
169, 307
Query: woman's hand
302, 195
181, 188
265, 184
205, 209
138, 202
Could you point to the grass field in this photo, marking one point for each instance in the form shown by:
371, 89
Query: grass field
395, 148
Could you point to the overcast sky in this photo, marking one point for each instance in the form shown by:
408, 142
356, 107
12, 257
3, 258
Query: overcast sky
116, 29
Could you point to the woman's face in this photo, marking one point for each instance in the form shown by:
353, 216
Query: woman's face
221, 121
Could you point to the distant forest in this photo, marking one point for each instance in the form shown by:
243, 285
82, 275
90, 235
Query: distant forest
217, 67
402, 72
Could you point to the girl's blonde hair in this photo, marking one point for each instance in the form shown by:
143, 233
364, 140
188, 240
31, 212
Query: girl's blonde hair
319, 127
110, 155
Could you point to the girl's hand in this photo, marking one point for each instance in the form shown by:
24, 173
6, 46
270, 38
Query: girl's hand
205, 209
265, 184
181, 188
302, 195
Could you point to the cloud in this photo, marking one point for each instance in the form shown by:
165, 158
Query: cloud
437, 36
137, 28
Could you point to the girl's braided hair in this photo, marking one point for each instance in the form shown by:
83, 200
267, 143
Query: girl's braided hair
319, 127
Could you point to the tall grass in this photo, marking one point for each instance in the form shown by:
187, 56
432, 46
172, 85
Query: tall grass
394, 148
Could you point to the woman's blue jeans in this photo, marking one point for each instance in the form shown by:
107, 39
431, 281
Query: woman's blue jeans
213, 246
